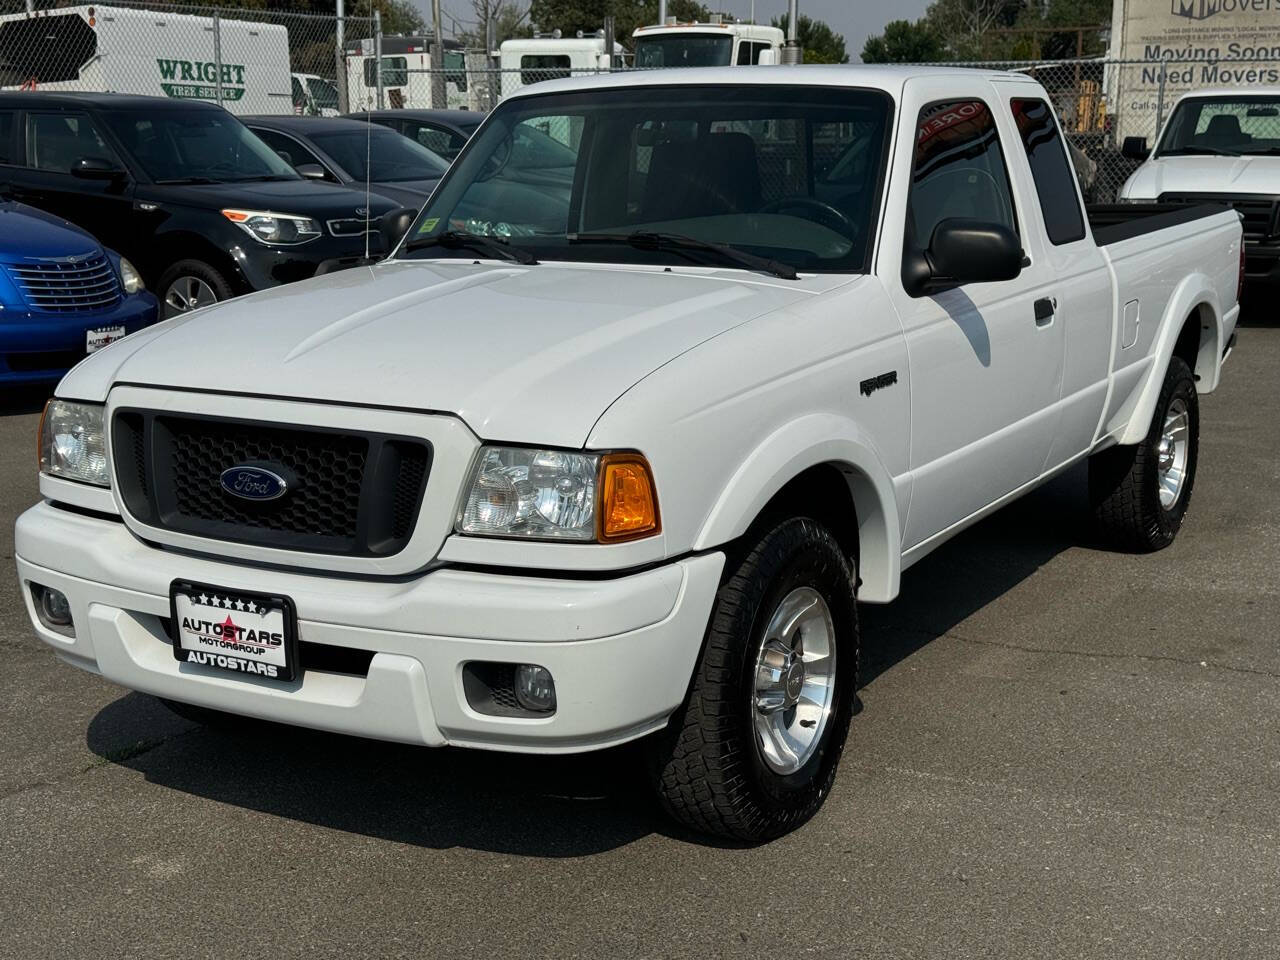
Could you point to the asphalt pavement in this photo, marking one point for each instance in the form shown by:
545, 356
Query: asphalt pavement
1062, 752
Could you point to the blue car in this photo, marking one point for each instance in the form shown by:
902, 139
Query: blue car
62, 295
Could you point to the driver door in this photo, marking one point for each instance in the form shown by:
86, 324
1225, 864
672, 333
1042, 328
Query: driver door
52, 142
986, 358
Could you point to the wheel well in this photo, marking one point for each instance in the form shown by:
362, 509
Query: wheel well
1197, 341
823, 493
188, 246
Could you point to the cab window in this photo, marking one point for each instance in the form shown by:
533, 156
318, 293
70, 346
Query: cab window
958, 171
1051, 171
543, 66
55, 141
395, 72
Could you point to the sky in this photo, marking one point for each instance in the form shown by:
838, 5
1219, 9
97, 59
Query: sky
856, 19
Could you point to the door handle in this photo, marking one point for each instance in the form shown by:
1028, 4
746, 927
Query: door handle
1045, 308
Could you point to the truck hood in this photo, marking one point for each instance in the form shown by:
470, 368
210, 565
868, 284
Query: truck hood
529, 354
1234, 175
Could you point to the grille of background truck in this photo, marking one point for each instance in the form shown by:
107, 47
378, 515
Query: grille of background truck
349, 493
51, 286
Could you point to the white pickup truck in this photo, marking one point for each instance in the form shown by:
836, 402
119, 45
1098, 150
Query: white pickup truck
610, 453
1220, 146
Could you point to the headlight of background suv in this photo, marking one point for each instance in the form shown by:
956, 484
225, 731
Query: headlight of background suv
130, 279
72, 445
556, 495
274, 229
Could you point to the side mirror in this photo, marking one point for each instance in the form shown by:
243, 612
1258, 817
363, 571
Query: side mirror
312, 171
394, 225
1135, 148
768, 58
96, 168
962, 252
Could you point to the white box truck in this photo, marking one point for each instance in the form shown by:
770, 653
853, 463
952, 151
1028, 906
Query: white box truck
100, 49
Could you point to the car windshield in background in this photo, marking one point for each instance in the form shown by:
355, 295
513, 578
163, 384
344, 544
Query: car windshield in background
394, 157
324, 93
196, 146
1223, 126
683, 50
789, 174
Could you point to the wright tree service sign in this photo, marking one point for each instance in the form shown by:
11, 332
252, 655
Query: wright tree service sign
1202, 43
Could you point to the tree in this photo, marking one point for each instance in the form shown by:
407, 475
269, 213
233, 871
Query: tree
569, 16
905, 42
821, 43
509, 19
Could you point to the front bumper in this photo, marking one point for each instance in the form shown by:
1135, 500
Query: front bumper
622, 650
40, 347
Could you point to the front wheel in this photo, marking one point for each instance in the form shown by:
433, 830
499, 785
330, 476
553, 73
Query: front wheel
1140, 493
753, 752
189, 285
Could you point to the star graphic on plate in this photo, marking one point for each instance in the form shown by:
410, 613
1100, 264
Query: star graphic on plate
239, 604
204, 598
252, 607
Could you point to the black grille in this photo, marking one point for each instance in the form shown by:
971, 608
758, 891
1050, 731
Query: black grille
57, 287
1258, 214
350, 493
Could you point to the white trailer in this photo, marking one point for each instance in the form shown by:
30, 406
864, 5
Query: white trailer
552, 57
406, 75
718, 43
101, 49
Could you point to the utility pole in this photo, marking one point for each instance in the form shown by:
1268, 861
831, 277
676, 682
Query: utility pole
339, 57
662, 12
438, 97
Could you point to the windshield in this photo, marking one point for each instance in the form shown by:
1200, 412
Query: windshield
1231, 126
684, 50
324, 93
196, 146
394, 157
788, 173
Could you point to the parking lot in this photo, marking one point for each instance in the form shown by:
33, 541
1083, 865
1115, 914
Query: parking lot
1061, 752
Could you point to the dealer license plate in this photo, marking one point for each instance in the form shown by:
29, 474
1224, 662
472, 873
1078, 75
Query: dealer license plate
95, 340
251, 634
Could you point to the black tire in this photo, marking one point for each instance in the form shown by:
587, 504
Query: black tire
1124, 482
196, 270
707, 765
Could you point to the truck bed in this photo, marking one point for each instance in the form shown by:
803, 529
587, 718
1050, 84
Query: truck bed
1113, 222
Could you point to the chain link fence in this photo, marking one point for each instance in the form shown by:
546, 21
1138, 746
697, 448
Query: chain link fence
277, 61
248, 60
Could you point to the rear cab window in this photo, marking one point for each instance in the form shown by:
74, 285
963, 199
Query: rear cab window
1050, 169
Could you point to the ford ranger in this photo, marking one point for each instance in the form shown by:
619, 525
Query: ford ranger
612, 453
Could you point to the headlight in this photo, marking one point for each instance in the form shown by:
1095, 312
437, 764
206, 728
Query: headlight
72, 444
277, 229
555, 495
130, 279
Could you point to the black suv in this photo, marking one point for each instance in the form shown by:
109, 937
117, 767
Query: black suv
203, 208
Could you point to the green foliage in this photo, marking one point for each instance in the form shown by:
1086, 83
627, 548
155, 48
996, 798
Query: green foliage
821, 44
905, 42
569, 16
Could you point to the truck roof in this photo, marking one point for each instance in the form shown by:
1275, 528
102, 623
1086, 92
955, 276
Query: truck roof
889, 78
1229, 93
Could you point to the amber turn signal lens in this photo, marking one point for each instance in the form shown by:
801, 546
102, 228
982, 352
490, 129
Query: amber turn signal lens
629, 506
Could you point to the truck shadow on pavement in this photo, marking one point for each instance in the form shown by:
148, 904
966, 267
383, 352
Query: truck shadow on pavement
539, 806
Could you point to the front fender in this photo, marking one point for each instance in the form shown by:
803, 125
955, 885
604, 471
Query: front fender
1195, 294
798, 445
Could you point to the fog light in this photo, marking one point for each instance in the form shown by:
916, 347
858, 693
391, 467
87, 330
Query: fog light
535, 690
54, 609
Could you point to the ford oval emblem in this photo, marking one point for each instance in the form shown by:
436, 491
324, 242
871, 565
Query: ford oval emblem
253, 483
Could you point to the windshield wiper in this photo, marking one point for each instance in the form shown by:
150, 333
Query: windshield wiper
263, 177
457, 240
645, 240
1193, 150
183, 180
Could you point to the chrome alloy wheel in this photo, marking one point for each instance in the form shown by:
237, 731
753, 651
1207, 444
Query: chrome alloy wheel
1171, 453
186, 294
795, 680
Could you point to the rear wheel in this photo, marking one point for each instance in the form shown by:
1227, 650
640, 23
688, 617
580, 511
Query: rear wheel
189, 285
753, 752
1140, 493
